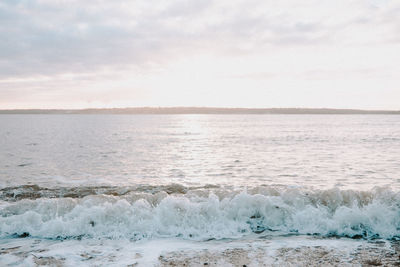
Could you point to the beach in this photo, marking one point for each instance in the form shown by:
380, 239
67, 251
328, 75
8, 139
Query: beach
278, 251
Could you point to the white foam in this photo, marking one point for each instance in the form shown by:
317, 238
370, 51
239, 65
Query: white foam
107, 252
201, 217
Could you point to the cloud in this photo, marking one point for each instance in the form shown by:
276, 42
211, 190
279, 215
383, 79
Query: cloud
46, 37
101, 41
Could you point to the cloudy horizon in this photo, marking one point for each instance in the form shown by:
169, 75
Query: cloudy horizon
254, 54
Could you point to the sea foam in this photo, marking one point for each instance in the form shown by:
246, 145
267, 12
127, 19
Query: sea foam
203, 214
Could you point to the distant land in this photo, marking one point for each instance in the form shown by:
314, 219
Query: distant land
198, 110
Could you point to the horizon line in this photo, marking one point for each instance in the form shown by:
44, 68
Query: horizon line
197, 110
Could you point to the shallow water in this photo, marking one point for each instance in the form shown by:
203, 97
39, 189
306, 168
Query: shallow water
155, 179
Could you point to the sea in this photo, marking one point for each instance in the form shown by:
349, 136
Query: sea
194, 190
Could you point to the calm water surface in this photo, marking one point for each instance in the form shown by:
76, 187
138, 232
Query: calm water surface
322, 151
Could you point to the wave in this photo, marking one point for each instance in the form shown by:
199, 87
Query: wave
16, 193
200, 213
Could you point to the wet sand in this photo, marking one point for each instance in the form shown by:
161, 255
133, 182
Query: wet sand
267, 251
377, 254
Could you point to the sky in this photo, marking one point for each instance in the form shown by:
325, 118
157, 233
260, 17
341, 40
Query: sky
226, 53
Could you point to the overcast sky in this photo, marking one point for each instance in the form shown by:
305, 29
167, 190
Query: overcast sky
233, 53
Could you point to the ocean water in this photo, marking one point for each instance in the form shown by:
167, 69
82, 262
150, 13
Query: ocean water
93, 189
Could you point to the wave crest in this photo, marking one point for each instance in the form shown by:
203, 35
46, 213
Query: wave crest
206, 213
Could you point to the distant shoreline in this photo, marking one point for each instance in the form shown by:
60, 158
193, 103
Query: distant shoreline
200, 110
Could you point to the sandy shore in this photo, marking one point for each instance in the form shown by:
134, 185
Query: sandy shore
368, 254
303, 256
277, 251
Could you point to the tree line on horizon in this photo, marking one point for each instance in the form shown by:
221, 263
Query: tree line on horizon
197, 110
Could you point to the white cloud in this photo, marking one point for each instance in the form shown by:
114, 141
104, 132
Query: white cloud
188, 52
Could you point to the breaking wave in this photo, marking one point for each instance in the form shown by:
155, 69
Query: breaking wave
197, 213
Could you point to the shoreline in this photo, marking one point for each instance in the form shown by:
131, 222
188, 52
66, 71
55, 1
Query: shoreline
263, 251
